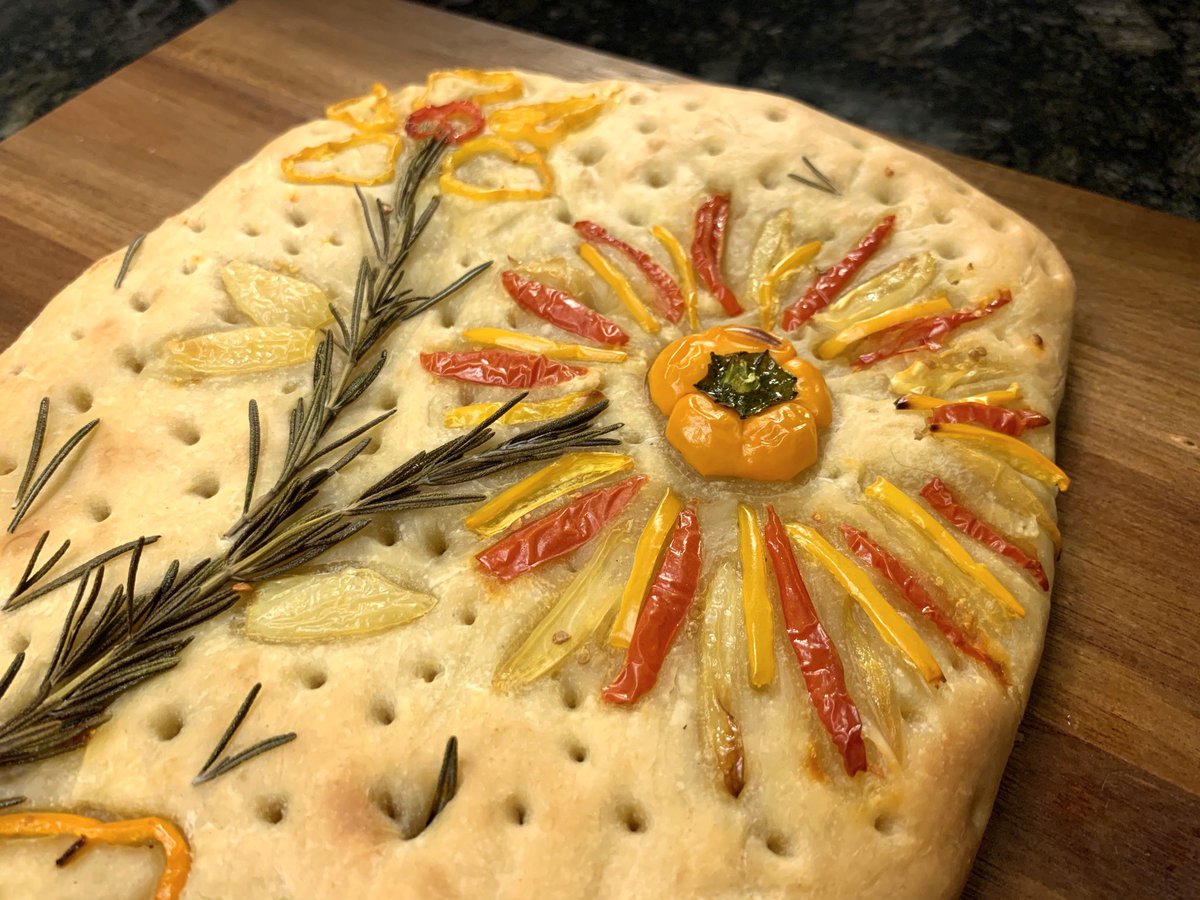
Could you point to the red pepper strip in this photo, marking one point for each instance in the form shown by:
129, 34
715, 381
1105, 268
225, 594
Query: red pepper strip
452, 122
503, 368
561, 309
997, 418
662, 613
708, 244
559, 532
926, 333
830, 283
668, 297
940, 498
905, 581
818, 657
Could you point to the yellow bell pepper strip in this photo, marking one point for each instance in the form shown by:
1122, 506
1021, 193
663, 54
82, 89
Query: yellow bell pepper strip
667, 295
852, 334
893, 287
272, 298
874, 691
1016, 453
495, 86
571, 621
1010, 394
515, 340
830, 283
683, 268
928, 333
645, 562
1011, 490
525, 411
453, 123
913, 513
708, 248
242, 351
945, 371
740, 403
773, 237
331, 150
558, 273
450, 183
370, 112
621, 287
561, 477
792, 262
756, 601
127, 833
718, 660
545, 124
890, 624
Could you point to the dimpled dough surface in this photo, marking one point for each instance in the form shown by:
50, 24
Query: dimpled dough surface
561, 795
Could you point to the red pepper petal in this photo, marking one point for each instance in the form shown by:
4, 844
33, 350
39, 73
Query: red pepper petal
818, 657
708, 245
502, 368
662, 613
668, 297
561, 309
559, 532
452, 122
906, 582
830, 283
926, 333
942, 500
998, 418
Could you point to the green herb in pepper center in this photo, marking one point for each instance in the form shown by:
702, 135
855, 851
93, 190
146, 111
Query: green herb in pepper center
747, 382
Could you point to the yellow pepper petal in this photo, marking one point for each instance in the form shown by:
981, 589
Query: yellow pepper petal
559, 273
544, 124
243, 351
915, 514
370, 112
450, 183
645, 561
774, 236
718, 662
515, 340
272, 298
525, 411
1016, 453
564, 475
892, 287
1010, 394
1009, 488
756, 601
851, 334
891, 626
331, 150
683, 268
793, 262
496, 86
620, 284
947, 370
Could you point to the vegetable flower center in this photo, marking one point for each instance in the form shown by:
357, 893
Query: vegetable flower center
747, 382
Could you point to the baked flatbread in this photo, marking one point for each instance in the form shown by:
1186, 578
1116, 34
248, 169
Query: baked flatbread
561, 792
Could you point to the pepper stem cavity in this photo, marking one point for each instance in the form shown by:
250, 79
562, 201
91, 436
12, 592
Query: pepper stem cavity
747, 382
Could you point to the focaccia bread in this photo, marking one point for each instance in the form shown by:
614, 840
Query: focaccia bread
563, 790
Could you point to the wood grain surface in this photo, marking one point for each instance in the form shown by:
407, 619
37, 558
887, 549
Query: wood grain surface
1102, 795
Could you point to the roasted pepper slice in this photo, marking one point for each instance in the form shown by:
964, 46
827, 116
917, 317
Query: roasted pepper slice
1017, 454
453, 123
683, 268
331, 150
830, 283
911, 589
274, 299
864, 328
494, 86
819, 661
773, 237
718, 661
927, 333
1010, 394
708, 248
620, 285
1012, 422
561, 309
1011, 490
645, 564
545, 124
371, 112
756, 602
450, 183
950, 369
501, 368
525, 411
792, 263
242, 351
890, 624
913, 513
557, 273
666, 604
530, 343
559, 532
563, 476
668, 296
893, 287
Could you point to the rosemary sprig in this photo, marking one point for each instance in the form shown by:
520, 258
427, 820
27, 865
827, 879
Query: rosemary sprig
22, 594
821, 184
31, 487
447, 783
129, 254
6, 802
214, 769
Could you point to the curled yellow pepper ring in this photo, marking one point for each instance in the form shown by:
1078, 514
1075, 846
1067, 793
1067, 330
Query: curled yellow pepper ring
333, 149
544, 124
645, 563
481, 146
515, 340
683, 268
128, 833
612, 276
890, 624
756, 601
795, 260
852, 334
1016, 453
495, 86
913, 513
379, 114
525, 411
1010, 394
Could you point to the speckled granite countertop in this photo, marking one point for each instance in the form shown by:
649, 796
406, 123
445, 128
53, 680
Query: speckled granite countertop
1102, 94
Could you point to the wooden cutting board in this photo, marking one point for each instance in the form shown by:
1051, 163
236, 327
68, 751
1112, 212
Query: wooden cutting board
1102, 795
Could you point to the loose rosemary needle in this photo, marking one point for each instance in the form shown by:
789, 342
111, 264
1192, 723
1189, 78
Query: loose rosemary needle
447, 783
213, 768
130, 252
6, 802
31, 486
822, 184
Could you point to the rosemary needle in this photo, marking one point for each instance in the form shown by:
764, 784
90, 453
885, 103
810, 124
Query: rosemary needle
11, 672
130, 251
69, 853
252, 467
822, 184
47, 473
213, 769
447, 783
22, 595
6, 802
35, 451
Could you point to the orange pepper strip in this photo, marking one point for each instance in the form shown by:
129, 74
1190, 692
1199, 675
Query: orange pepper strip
127, 833
645, 561
756, 601
332, 149
379, 115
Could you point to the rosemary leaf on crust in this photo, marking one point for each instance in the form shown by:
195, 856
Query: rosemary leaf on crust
26, 498
130, 251
214, 769
447, 783
6, 802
